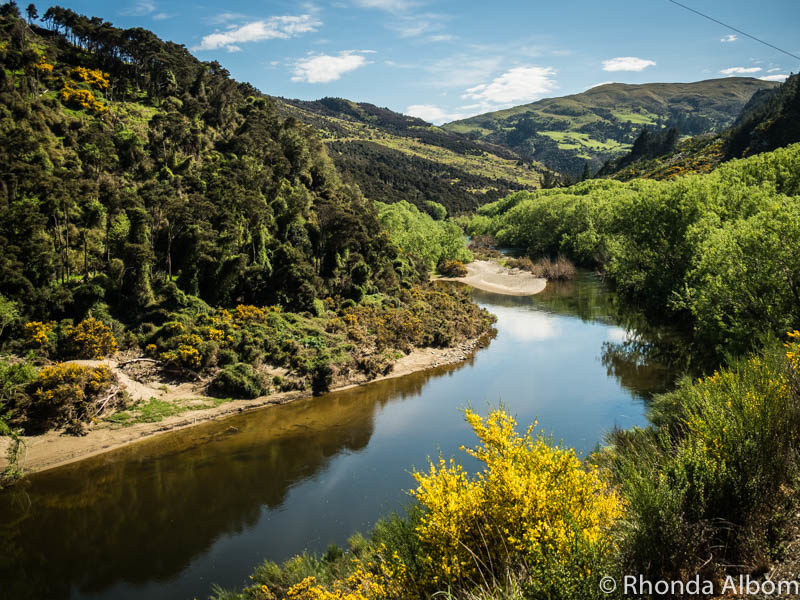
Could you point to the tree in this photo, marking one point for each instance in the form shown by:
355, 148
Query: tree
33, 14
8, 313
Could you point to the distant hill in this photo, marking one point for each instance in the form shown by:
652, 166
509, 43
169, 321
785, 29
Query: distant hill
603, 122
394, 157
770, 120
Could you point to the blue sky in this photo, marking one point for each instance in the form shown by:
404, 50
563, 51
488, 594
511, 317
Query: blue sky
446, 59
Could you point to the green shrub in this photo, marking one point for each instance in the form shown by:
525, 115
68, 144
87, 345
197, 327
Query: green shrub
239, 381
321, 376
712, 478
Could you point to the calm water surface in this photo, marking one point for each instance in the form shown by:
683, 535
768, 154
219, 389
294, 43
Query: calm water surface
168, 517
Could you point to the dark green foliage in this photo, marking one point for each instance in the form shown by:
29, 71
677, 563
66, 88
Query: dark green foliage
388, 175
239, 381
321, 376
649, 144
190, 179
770, 120
707, 485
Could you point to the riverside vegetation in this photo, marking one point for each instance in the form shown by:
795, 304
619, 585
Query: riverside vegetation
155, 207
709, 489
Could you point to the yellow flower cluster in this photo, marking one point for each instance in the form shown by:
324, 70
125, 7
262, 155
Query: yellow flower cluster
83, 98
92, 339
793, 350
43, 66
93, 77
37, 334
367, 582
187, 353
244, 312
71, 382
531, 501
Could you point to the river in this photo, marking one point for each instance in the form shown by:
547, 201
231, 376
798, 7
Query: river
170, 516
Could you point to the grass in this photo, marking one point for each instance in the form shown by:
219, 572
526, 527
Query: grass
156, 410
573, 140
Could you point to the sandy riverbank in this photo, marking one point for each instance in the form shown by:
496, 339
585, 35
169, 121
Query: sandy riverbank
492, 277
55, 448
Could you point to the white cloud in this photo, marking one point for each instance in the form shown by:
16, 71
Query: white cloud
161, 16
257, 31
387, 5
775, 70
627, 63
140, 8
323, 68
445, 37
729, 38
225, 17
518, 85
432, 114
740, 70
778, 77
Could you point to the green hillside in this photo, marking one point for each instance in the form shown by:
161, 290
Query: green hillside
152, 204
393, 157
770, 120
603, 122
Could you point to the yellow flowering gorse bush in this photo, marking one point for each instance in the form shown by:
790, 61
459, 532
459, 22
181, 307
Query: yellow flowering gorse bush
38, 334
91, 338
533, 503
64, 392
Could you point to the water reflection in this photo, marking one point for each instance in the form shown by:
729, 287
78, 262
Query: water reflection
143, 512
168, 517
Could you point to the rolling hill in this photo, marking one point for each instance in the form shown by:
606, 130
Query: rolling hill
767, 122
602, 123
394, 157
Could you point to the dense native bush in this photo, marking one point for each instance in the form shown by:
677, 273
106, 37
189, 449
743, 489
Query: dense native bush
317, 348
418, 234
711, 252
712, 477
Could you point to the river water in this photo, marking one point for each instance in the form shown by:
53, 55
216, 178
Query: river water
170, 516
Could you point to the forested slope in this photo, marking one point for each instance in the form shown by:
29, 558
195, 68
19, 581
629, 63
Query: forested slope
152, 204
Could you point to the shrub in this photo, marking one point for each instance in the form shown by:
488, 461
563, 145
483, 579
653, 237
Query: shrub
65, 394
533, 506
452, 268
711, 478
321, 376
239, 381
559, 269
40, 336
90, 339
